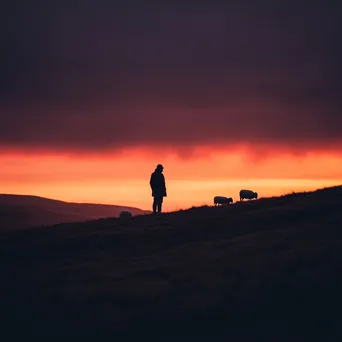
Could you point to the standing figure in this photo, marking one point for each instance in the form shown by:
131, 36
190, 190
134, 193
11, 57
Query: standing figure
157, 183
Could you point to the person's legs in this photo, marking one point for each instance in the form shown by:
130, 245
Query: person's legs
155, 202
160, 202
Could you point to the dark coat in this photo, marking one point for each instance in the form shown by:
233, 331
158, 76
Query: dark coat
157, 183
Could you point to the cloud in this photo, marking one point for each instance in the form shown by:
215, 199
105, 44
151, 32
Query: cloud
95, 75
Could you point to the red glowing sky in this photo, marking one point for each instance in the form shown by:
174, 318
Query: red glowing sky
94, 94
122, 178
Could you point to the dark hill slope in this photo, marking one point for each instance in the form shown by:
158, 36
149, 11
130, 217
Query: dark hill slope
22, 211
262, 270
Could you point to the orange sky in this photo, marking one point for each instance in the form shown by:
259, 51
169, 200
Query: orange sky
258, 96
122, 178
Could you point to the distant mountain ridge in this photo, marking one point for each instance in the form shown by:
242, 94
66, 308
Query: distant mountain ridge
25, 211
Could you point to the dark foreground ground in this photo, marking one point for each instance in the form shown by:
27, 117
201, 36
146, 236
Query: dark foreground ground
262, 270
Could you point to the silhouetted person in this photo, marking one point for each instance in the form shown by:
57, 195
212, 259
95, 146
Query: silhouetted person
158, 187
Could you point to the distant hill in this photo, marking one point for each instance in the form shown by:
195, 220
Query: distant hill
261, 270
22, 211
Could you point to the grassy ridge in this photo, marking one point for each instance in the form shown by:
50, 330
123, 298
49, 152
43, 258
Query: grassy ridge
269, 268
19, 212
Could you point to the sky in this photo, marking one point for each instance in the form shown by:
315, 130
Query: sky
94, 94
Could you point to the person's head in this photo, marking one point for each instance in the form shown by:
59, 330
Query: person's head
160, 168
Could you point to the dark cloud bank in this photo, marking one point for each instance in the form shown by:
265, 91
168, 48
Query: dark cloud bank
97, 74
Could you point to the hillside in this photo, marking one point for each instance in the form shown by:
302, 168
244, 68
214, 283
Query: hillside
21, 211
264, 270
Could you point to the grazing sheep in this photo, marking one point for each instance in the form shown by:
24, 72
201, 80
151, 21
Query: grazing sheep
221, 200
125, 214
248, 194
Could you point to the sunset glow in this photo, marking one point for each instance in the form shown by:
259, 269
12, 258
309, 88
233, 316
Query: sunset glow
93, 95
122, 178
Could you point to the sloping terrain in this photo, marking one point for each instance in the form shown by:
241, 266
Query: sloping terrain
21, 211
264, 270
